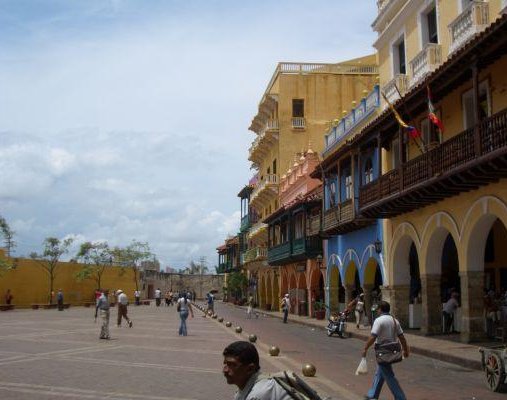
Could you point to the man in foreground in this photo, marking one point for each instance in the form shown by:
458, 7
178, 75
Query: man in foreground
241, 368
103, 306
385, 329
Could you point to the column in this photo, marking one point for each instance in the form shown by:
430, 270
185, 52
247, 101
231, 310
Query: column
472, 320
431, 304
349, 289
399, 300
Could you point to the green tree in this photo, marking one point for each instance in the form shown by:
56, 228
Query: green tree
8, 237
49, 259
131, 257
237, 284
96, 257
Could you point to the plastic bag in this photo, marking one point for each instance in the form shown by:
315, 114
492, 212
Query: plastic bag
362, 368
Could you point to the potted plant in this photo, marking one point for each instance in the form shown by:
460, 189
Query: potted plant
319, 309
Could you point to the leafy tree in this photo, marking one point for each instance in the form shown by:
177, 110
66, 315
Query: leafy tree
132, 256
8, 235
54, 248
237, 284
96, 257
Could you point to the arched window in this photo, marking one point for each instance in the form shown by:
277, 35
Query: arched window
368, 171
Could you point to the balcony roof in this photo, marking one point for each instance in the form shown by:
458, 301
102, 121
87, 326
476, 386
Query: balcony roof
245, 192
310, 199
486, 47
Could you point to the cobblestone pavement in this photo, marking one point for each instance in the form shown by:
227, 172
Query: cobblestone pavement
46, 354
336, 359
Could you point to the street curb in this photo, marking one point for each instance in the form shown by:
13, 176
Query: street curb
438, 355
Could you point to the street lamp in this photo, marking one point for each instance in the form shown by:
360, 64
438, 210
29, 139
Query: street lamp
378, 246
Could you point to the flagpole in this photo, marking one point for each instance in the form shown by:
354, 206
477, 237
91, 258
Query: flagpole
406, 112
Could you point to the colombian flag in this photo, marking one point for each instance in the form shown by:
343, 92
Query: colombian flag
412, 131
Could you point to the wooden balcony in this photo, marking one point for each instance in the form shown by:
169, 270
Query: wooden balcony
313, 225
295, 250
473, 158
342, 219
255, 254
245, 223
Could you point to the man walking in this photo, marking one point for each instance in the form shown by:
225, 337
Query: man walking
211, 303
122, 308
241, 368
385, 329
285, 307
158, 295
137, 297
249, 309
103, 306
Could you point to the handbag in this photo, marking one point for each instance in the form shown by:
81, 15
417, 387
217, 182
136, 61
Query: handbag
389, 352
178, 307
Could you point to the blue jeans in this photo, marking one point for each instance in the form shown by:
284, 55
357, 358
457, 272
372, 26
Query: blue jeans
383, 373
183, 324
285, 314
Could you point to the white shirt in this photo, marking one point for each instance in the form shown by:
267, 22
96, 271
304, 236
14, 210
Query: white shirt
384, 327
262, 389
122, 299
183, 305
157, 294
137, 293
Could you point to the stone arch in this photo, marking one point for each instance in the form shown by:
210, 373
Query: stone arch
350, 272
399, 249
351, 257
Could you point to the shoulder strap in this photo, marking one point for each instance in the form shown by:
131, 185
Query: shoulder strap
395, 336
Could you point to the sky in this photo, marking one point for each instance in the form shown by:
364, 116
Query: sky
128, 119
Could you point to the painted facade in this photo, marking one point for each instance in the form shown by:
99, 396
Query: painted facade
442, 196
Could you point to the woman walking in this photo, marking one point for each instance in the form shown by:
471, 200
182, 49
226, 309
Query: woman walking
184, 308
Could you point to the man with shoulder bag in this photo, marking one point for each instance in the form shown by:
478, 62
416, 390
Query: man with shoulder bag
389, 341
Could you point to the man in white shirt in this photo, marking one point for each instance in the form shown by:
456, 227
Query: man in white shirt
241, 368
158, 295
137, 296
122, 308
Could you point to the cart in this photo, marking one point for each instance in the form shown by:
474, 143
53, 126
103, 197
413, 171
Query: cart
494, 364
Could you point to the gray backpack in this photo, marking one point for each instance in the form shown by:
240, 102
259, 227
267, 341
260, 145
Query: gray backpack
295, 387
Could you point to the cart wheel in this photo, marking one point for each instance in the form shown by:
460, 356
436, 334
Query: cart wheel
495, 373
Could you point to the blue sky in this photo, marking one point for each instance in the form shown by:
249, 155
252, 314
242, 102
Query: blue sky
123, 119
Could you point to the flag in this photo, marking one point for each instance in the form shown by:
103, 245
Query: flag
412, 131
431, 113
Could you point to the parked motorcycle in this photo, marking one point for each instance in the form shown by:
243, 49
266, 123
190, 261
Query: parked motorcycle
338, 324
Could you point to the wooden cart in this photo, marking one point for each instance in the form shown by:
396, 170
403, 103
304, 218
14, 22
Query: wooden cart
494, 364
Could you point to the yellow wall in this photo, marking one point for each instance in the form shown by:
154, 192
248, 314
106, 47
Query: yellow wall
29, 283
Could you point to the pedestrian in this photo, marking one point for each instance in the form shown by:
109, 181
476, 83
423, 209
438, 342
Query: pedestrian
385, 329
357, 305
98, 293
8, 297
448, 312
137, 297
167, 298
211, 303
122, 308
249, 308
59, 299
184, 308
158, 295
103, 306
241, 368
171, 297
285, 307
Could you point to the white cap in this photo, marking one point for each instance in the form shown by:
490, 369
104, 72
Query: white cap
119, 291
286, 294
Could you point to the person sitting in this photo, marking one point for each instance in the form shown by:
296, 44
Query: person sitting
241, 368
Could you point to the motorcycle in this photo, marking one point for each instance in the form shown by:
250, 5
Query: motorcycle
338, 324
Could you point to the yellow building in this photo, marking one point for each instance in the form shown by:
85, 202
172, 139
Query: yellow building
294, 112
443, 195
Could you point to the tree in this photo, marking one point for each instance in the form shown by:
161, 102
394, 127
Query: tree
237, 284
132, 256
8, 235
54, 248
96, 257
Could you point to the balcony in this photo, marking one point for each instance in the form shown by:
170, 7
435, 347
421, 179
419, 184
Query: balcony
255, 254
221, 268
298, 123
265, 191
473, 158
342, 219
245, 223
296, 250
259, 231
264, 141
471, 21
400, 82
313, 225
428, 59
366, 107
